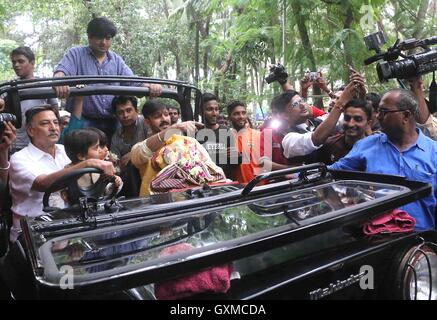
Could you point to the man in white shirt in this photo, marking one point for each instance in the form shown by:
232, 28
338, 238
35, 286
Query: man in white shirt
34, 168
302, 143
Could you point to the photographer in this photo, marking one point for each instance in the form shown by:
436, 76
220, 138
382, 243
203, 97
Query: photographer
7, 137
278, 73
298, 144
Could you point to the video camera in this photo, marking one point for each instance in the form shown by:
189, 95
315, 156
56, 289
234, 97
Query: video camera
411, 66
277, 73
6, 117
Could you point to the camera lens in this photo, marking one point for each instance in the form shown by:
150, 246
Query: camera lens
270, 78
396, 69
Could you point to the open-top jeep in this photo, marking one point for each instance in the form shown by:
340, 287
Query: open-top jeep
298, 238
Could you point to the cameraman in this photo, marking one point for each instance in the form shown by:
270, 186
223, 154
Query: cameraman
424, 118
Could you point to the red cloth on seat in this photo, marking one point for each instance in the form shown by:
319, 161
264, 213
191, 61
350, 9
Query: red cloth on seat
216, 279
390, 222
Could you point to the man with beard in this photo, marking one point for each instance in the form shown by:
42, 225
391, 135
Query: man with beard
248, 143
34, 168
217, 138
357, 122
157, 118
402, 149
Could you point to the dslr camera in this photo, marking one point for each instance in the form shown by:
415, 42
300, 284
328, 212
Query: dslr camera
6, 117
277, 73
409, 66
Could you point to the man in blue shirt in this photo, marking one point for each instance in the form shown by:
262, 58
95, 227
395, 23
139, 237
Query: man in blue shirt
96, 59
401, 149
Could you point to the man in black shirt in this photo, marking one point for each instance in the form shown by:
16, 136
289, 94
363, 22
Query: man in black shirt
216, 138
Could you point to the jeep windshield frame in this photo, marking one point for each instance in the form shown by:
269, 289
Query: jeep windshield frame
42, 88
180, 264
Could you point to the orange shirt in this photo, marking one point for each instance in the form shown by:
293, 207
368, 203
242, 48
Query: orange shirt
248, 143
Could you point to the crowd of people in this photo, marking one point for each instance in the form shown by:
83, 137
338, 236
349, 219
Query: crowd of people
391, 134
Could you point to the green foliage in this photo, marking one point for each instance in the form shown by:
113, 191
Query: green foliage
237, 38
6, 46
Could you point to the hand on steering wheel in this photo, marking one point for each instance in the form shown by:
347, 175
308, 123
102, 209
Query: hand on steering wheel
95, 192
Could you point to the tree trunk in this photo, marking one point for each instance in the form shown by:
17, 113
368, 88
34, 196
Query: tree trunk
196, 51
178, 67
420, 19
243, 77
252, 79
346, 43
205, 54
255, 71
306, 44
88, 5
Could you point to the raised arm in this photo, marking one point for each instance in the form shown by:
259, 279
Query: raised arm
416, 85
44, 181
6, 140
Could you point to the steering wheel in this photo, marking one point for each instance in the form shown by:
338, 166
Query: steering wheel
70, 180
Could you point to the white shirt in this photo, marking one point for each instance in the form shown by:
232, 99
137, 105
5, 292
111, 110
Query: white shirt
26, 165
298, 144
430, 127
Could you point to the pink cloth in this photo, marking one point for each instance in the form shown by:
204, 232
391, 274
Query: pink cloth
390, 222
216, 279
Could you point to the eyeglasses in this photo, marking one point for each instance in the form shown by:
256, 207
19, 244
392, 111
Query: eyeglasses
382, 112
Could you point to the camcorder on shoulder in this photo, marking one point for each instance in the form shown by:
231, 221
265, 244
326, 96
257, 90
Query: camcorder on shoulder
6, 117
277, 73
412, 65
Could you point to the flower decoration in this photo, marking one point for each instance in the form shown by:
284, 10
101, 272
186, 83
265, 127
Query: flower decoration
187, 157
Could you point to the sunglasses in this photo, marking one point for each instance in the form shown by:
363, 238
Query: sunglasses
297, 103
382, 112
